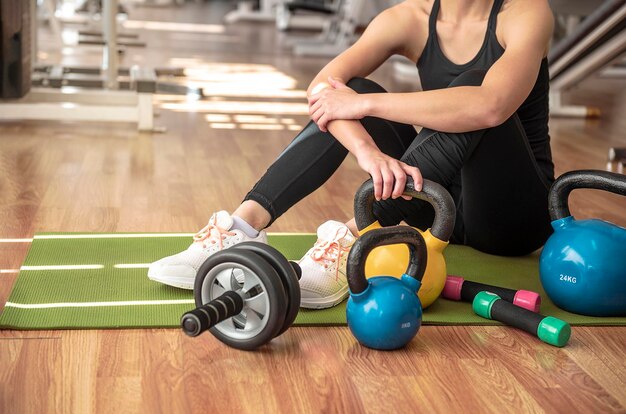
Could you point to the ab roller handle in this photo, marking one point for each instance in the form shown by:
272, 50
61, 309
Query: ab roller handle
207, 316
457, 288
547, 328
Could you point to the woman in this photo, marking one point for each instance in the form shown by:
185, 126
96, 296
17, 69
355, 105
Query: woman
484, 113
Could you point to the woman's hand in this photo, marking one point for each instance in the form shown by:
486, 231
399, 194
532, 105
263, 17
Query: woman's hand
335, 102
388, 174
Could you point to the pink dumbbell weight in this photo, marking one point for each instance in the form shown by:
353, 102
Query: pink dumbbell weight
457, 288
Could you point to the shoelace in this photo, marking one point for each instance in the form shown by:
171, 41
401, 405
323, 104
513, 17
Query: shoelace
330, 250
212, 233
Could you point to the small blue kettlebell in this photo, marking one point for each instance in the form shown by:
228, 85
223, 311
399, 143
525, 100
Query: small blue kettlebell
583, 264
384, 312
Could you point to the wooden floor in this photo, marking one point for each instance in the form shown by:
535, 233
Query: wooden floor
107, 177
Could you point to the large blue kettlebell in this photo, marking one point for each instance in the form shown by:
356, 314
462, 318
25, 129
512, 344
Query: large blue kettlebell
384, 312
583, 264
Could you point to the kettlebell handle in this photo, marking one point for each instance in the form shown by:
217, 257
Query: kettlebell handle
593, 179
433, 193
381, 237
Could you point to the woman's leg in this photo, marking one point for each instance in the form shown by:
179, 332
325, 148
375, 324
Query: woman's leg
311, 159
500, 193
306, 164
505, 194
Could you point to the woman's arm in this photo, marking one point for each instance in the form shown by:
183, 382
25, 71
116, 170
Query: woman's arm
505, 87
385, 35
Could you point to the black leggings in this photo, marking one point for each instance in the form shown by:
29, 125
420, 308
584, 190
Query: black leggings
500, 193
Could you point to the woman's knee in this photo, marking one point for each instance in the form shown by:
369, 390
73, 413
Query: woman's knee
363, 85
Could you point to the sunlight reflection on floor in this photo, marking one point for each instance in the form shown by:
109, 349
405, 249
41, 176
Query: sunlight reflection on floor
174, 27
263, 94
251, 122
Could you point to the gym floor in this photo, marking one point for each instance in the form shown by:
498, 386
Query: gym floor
74, 177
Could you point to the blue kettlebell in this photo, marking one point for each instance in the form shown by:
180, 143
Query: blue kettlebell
583, 264
384, 312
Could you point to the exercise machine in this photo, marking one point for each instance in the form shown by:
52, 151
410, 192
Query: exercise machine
285, 13
246, 11
59, 100
89, 14
342, 29
339, 33
593, 45
82, 93
305, 14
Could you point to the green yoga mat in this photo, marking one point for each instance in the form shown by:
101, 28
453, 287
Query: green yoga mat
72, 281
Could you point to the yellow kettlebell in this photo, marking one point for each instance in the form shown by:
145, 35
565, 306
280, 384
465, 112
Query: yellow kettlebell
393, 260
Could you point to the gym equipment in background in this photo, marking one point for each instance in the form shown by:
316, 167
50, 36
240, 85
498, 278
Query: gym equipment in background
109, 104
384, 312
245, 295
616, 160
392, 260
597, 42
338, 21
89, 15
305, 14
616, 154
457, 288
337, 35
275, 10
15, 51
104, 94
583, 264
549, 329
246, 11
102, 30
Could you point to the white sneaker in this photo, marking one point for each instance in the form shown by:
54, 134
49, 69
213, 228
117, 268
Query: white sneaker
323, 283
180, 269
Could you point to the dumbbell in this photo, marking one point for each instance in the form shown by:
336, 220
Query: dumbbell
457, 288
549, 329
245, 296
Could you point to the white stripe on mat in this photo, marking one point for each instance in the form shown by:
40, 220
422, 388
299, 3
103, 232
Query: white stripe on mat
9, 271
108, 236
292, 234
98, 304
132, 265
82, 267
134, 235
64, 267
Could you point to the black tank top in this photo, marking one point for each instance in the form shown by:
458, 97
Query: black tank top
436, 71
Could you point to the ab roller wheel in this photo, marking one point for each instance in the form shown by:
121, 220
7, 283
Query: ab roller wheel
246, 296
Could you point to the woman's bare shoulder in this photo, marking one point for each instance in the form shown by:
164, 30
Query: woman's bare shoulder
516, 16
537, 11
409, 19
415, 8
